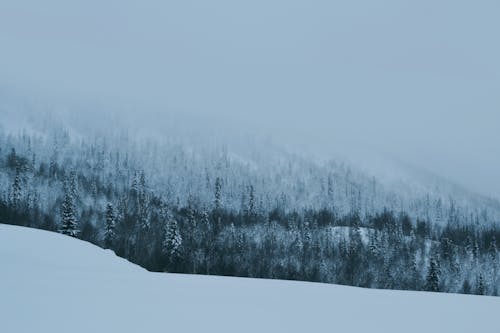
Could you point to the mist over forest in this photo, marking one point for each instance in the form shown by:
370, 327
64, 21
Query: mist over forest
318, 141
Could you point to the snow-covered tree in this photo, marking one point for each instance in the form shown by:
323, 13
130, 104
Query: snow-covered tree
69, 224
295, 231
109, 231
480, 287
172, 243
16, 190
218, 193
432, 280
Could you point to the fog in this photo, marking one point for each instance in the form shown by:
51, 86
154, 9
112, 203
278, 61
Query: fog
418, 80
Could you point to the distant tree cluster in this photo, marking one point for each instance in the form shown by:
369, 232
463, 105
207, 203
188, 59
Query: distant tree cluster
222, 225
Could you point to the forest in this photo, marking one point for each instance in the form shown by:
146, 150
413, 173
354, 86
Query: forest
171, 208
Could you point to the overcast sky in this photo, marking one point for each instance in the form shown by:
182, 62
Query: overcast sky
417, 79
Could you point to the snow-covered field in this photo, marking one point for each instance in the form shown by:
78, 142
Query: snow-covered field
53, 283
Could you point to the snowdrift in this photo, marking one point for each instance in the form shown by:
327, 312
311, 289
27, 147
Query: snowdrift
52, 283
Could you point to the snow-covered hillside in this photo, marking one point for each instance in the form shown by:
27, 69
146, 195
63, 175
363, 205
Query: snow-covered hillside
52, 283
179, 163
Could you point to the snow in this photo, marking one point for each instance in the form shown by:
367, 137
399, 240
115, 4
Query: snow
342, 233
53, 283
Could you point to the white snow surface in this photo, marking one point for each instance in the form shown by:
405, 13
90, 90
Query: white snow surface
53, 283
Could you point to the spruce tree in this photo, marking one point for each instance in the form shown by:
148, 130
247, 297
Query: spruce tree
172, 243
432, 281
493, 249
193, 234
73, 186
218, 194
218, 205
330, 189
415, 274
68, 215
109, 232
480, 287
466, 288
252, 209
16, 190
355, 252
439, 210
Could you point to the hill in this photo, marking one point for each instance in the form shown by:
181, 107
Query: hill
61, 284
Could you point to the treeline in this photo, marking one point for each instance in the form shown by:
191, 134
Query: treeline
388, 249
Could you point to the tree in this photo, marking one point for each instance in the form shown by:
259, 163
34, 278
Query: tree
68, 215
439, 210
16, 190
493, 249
218, 194
406, 225
172, 243
355, 252
414, 274
142, 203
12, 159
109, 232
191, 217
466, 288
73, 186
251, 209
330, 190
432, 281
208, 239
480, 288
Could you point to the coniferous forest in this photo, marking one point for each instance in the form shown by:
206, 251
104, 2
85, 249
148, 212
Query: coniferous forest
172, 208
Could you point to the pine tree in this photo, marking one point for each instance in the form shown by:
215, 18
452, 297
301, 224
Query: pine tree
172, 242
439, 210
142, 202
466, 288
135, 184
330, 189
12, 161
218, 194
73, 186
68, 215
354, 254
432, 281
16, 190
109, 232
493, 249
251, 210
415, 274
208, 240
475, 250
53, 165
205, 221
191, 213
480, 287
218, 205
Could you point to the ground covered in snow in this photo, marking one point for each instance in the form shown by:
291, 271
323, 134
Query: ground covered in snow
53, 283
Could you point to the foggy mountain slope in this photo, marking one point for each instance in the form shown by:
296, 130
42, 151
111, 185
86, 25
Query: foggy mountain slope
184, 158
185, 195
101, 292
305, 71
348, 143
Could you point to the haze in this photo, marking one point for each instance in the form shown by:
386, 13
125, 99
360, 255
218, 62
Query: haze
416, 80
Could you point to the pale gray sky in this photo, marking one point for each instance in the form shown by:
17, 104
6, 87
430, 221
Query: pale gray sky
418, 79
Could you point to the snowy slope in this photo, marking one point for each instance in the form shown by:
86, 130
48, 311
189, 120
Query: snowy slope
184, 157
52, 283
